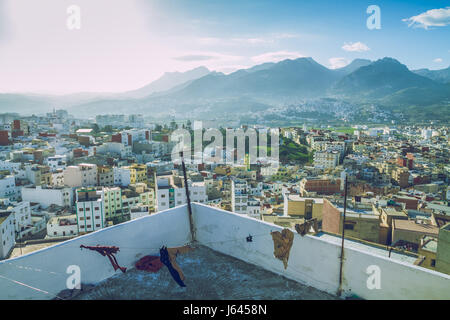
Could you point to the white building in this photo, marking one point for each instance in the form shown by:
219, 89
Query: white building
197, 192
62, 226
326, 160
122, 176
116, 148
254, 208
90, 209
58, 178
57, 162
48, 196
168, 195
9, 165
8, 187
239, 196
82, 175
21, 216
7, 238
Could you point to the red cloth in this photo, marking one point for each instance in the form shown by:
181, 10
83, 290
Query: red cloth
149, 263
108, 251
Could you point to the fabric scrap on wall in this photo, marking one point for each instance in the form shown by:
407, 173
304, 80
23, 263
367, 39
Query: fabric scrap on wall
168, 258
108, 251
282, 242
149, 263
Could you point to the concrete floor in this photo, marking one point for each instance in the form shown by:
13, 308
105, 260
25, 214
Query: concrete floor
209, 275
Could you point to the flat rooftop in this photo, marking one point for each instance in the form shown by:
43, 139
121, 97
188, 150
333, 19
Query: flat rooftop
379, 251
209, 275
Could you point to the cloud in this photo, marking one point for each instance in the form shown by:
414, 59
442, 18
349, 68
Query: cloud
355, 47
430, 18
336, 63
276, 56
438, 60
205, 56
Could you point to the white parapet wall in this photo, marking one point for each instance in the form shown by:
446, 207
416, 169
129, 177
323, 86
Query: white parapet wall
43, 274
315, 261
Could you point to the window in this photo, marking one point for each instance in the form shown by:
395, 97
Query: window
97, 225
88, 226
80, 210
97, 217
433, 262
349, 226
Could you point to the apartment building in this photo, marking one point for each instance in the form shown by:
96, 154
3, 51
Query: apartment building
82, 175
46, 196
360, 224
307, 208
170, 192
112, 202
105, 176
21, 211
62, 226
38, 175
239, 196
326, 159
90, 209
8, 187
401, 177
57, 162
323, 186
7, 238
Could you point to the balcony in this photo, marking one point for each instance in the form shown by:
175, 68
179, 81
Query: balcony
223, 265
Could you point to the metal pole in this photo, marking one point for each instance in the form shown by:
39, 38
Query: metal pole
186, 187
343, 236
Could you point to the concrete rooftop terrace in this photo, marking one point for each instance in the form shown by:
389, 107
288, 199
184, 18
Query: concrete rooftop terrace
313, 262
210, 275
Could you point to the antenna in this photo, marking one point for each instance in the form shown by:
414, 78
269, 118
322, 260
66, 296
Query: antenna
343, 236
186, 187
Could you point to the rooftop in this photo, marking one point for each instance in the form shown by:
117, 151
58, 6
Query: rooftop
412, 225
209, 275
234, 259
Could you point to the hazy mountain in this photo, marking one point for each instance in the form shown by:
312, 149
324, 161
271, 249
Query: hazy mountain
385, 81
20, 103
353, 66
300, 78
390, 81
168, 81
442, 75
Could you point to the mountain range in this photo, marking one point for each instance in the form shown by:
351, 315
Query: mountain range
385, 82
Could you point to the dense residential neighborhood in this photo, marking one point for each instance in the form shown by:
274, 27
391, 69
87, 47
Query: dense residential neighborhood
62, 177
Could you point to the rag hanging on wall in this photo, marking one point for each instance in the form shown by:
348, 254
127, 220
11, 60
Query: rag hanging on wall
168, 258
282, 243
108, 251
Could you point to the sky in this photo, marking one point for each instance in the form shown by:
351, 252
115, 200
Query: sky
125, 44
